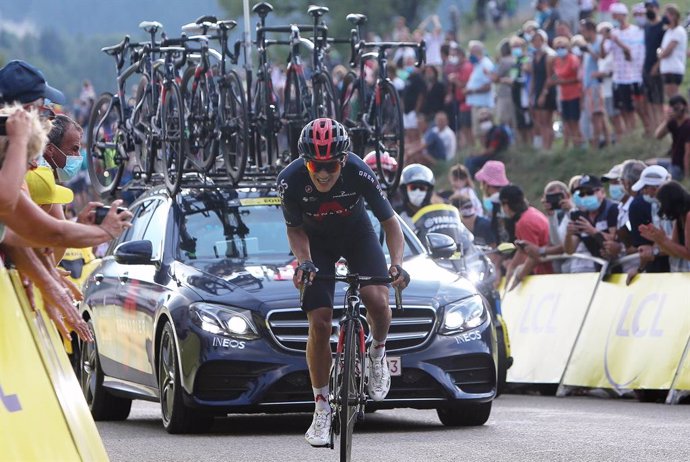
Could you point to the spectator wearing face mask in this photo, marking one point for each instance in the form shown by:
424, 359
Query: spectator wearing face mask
677, 123
479, 226
505, 109
542, 97
644, 210
446, 134
495, 138
478, 93
651, 77
458, 70
674, 204
417, 189
462, 184
519, 81
592, 84
605, 74
492, 179
673, 51
566, 70
595, 219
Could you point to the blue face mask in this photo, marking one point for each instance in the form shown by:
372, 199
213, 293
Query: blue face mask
616, 191
71, 168
488, 204
517, 52
474, 59
577, 200
531, 50
649, 199
591, 203
562, 52
616, 24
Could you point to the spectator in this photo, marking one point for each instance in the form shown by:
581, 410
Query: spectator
430, 149
417, 190
496, 139
446, 134
586, 9
479, 226
531, 226
674, 203
542, 96
63, 151
462, 184
458, 76
613, 179
678, 125
478, 89
505, 109
529, 28
673, 52
480, 15
651, 77
605, 65
547, 16
413, 98
519, 79
569, 12
593, 95
492, 179
594, 221
435, 93
566, 69
628, 50
644, 210
433, 39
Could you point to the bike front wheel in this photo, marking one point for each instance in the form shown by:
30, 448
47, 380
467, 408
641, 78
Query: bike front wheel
234, 137
350, 391
173, 128
389, 133
197, 93
104, 143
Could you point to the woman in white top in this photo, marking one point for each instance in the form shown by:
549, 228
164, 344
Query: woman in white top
672, 54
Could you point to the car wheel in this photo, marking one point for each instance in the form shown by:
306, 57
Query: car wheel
464, 415
177, 418
102, 404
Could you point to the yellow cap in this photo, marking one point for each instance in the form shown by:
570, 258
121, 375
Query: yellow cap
43, 189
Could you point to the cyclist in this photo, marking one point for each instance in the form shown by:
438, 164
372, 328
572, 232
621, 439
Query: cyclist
322, 196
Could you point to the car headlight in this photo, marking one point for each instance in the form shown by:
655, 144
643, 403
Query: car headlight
225, 320
463, 315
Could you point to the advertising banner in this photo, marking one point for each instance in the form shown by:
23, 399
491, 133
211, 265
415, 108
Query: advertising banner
543, 315
634, 336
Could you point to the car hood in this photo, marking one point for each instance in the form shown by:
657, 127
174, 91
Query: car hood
269, 286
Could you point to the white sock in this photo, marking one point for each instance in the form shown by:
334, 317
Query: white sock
377, 349
321, 398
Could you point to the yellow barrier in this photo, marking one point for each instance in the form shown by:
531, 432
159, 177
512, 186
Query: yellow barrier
633, 337
43, 414
544, 314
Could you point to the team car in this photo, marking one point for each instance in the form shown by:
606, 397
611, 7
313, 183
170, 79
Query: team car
194, 307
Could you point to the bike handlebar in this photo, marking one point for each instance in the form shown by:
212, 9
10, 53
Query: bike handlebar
301, 27
351, 279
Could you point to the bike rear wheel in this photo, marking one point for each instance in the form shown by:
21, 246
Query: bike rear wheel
234, 137
147, 146
105, 159
295, 111
325, 103
389, 133
172, 130
349, 391
265, 137
351, 104
202, 147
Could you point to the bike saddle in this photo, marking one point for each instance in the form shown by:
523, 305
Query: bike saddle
115, 49
150, 26
357, 19
199, 29
317, 11
227, 24
206, 18
262, 9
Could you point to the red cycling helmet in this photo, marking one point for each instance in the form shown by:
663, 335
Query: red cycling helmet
323, 139
388, 163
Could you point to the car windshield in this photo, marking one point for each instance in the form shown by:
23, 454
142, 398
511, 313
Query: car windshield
217, 225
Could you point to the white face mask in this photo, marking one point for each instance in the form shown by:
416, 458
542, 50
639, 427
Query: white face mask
416, 197
485, 126
453, 59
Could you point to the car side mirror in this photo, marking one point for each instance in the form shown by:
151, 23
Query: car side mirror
440, 245
134, 253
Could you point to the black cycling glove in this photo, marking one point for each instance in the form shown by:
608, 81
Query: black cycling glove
307, 267
401, 273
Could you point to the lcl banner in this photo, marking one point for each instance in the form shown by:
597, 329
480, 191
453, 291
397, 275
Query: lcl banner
43, 415
543, 315
634, 336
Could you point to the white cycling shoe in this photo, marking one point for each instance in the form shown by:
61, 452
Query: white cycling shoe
319, 433
379, 382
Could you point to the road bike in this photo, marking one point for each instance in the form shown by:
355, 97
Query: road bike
347, 380
216, 115
374, 116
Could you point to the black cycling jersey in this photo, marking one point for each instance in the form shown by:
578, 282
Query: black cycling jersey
337, 211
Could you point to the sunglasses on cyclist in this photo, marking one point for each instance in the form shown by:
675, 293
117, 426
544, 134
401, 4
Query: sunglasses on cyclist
315, 167
417, 187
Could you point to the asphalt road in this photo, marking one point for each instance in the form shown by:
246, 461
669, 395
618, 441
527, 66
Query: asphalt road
533, 428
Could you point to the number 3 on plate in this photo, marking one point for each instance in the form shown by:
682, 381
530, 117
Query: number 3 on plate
394, 366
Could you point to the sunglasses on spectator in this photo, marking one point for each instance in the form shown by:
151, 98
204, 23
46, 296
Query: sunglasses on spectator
587, 192
315, 167
417, 187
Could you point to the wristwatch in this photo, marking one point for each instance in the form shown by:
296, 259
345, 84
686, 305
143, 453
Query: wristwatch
542, 251
656, 251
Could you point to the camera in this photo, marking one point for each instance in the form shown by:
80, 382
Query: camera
3, 123
575, 215
102, 211
554, 200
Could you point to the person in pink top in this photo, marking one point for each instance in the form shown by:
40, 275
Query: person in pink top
604, 7
566, 75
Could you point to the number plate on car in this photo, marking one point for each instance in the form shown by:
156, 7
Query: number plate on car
394, 365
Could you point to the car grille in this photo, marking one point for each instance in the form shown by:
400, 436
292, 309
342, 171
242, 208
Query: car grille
227, 380
470, 373
409, 329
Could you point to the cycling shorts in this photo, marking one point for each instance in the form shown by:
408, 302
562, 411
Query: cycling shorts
364, 256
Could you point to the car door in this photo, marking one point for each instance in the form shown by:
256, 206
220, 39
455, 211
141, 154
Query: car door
116, 322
